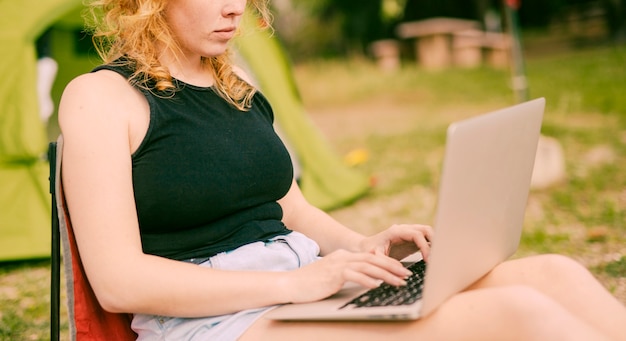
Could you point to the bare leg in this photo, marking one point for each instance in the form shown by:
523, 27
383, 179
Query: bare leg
569, 284
503, 313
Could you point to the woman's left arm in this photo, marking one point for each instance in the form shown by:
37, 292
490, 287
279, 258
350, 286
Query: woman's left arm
299, 215
398, 241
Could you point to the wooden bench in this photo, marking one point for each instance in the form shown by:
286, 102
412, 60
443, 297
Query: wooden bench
387, 54
433, 39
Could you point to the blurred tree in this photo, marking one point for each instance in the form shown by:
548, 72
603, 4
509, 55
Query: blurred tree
616, 19
422, 9
334, 27
361, 22
539, 13
305, 30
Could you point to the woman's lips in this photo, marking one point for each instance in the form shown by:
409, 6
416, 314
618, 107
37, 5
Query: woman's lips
225, 33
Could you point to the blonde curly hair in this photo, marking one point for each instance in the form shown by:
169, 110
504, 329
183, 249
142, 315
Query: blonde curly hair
131, 28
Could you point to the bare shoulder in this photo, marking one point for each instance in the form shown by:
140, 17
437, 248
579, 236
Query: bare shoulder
98, 100
91, 86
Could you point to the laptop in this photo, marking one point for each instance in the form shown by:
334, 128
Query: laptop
483, 191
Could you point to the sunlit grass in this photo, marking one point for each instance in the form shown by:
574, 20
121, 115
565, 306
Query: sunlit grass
25, 301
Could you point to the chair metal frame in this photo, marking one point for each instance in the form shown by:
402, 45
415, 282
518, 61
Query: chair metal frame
55, 260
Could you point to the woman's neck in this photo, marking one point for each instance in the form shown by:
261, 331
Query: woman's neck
194, 72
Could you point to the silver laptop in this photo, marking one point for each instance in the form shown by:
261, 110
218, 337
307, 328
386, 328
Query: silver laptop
483, 192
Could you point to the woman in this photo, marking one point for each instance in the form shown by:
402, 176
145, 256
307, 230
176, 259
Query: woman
178, 187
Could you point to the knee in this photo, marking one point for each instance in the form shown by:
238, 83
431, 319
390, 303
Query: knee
562, 266
548, 269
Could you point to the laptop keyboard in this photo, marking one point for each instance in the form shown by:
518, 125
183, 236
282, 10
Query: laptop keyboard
389, 295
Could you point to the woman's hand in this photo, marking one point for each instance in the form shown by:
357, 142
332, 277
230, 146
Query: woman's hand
327, 276
400, 241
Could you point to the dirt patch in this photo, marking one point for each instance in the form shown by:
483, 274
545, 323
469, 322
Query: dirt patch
380, 116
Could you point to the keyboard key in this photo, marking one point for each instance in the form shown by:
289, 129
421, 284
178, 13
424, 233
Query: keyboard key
389, 295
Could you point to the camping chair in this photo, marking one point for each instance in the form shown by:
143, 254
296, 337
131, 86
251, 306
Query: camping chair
87, 319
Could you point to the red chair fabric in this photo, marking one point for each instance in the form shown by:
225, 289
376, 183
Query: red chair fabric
87, 319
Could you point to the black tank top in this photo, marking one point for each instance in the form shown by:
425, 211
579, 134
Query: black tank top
207, 176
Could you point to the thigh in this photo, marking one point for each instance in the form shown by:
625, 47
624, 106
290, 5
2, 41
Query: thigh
511, 313
533, 271
565, 281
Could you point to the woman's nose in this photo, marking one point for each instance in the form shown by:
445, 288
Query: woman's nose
234, 7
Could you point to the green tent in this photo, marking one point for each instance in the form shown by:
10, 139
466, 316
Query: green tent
24, 198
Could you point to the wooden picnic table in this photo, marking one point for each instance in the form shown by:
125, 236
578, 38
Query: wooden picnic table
434, 39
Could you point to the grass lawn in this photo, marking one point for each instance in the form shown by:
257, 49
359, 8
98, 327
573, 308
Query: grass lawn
399, 121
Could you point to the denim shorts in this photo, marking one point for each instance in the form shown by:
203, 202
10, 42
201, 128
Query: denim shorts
281, 253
